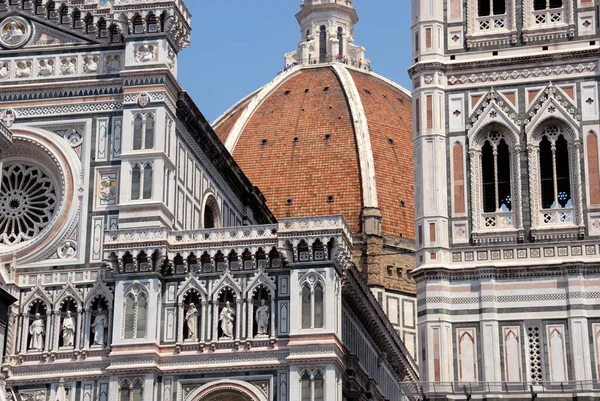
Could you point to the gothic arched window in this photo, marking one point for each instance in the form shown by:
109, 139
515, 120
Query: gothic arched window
76, 16
147, 185
136, 178
136, 315
554, 170
64, 15
143, 131
312, 386
138, 123
89, 24
312, 304
495, 160
141, 181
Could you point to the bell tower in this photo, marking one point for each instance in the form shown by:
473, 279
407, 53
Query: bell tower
327, 33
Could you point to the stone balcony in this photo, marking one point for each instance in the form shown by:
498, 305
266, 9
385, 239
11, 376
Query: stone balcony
179, 5
292, 239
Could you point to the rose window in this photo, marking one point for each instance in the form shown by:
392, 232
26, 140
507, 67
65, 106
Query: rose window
28, 201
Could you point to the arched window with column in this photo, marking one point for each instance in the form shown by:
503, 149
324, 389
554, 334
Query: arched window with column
312, 295
135, 309
312, 385
211, 212
143, 131
495, 185
554, 178
141, 181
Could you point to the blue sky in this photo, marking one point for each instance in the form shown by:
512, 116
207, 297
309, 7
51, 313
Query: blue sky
238, 45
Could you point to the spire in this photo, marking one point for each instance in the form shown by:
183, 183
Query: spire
327, 28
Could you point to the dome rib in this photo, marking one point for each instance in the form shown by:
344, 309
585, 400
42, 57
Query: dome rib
363, 138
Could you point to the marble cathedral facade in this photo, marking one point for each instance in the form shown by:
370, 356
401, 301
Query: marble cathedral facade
508, 196
145, 264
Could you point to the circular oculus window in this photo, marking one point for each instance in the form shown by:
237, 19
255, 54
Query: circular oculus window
28, 203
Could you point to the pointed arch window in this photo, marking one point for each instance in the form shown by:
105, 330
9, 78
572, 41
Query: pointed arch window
136, 316
496, 186
312, 386
64, 15
312, 295
555, 178
131, 390
141, 181
143, 131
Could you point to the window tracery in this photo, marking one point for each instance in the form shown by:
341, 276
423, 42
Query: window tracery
141, 181
28, 202
131, 390
312, 302
312, 388
495, 185
136, 314
143, 131
555, 180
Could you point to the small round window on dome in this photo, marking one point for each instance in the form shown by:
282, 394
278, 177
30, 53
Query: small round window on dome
402, 203
296, 139
306, 90
289, 201
325, 89
330, 199
264, 141
390, 141
327, 137
287, 92
368, 92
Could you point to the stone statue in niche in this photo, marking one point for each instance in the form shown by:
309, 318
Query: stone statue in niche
191, 319
23, 69
263, 315
37, 330
68, 330
46, 68
112, 63
227, 318
98, 327
68, 66
145, 53
4, 70
68, 250
90, 64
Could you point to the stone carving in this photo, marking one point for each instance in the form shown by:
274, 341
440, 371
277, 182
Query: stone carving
37, 330
35, 395
90, 64
68, 250
98, 327
112, 63
23, 69
8, 117
68, 66
68, 330
191, 319
171, 59
45, 67
74, 137
108, 189
263, 314
227, 318
145, 53
4, 69
14, 32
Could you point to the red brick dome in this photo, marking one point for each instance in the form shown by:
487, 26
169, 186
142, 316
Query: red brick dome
327, 139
